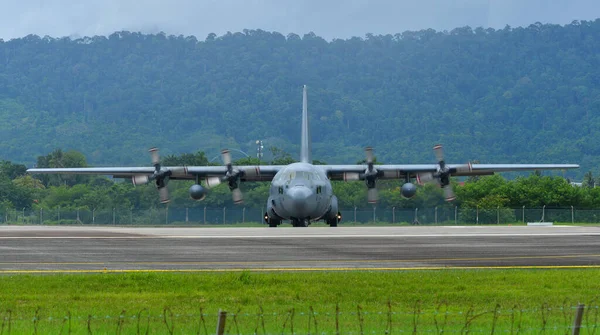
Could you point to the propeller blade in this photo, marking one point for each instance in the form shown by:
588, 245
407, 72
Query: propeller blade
372, 195
237, 196
163, 193
351, 176
439, 152
449, 193
155, 157
226, 155
211, 182
140, 179
369, 154
425, 177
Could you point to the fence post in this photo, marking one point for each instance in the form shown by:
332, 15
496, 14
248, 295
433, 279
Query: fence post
114, 217
578, 318
23, 214
224, 214
436, 215
354, 214
497, 214
244, 215
455, 215
523, 214
374, 213
187, 217
544, 213
221, 322
477, 215
204, 215
393, 214
416, 220
572, 215
78, 220
93, 215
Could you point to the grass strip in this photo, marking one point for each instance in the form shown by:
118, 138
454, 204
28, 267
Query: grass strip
305, 302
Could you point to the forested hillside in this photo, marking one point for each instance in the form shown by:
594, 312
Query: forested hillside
503, 96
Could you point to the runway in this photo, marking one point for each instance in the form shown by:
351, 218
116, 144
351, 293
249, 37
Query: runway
47, 249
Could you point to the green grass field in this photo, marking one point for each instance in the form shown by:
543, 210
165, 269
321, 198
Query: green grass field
308, 302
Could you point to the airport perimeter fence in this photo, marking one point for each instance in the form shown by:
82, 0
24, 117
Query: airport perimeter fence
240, 215
391, 319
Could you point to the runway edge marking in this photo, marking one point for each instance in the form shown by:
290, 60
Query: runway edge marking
533, 267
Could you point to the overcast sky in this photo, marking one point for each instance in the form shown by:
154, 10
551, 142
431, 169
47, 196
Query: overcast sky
329, 19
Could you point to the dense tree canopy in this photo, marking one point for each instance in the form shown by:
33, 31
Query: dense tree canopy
510, 95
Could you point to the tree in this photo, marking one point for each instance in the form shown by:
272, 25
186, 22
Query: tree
588, 179
11, 170
60, 159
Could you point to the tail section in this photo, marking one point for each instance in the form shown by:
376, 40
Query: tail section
305, 148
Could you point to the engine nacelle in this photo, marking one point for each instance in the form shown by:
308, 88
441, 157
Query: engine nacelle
197, 192
408, 190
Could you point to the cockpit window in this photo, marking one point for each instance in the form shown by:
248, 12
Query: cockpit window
290, 175
308, 175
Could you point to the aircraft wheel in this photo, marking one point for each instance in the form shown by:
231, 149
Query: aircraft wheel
334, 222
300, 223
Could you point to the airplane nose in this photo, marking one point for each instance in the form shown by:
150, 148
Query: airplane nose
299, 196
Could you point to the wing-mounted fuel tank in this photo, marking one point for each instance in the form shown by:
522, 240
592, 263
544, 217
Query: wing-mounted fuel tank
197, 192
408, 190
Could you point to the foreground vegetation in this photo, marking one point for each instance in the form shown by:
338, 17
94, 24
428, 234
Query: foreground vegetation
370, 302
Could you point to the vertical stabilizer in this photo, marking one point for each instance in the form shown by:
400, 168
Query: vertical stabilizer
305, 148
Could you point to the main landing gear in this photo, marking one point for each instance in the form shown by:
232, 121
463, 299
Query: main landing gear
334, 222
271, 222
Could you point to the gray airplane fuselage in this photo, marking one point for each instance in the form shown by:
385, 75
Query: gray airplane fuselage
301, 192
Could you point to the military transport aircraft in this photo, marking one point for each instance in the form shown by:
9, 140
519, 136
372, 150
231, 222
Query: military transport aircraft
301, 192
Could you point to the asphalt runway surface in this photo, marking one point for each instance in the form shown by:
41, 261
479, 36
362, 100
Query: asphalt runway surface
48, 249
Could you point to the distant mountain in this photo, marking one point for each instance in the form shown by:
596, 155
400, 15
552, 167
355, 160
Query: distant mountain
504, 96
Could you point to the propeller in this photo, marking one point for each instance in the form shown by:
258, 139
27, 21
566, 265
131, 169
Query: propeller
443, 173
370, 177
160, 176
232, 176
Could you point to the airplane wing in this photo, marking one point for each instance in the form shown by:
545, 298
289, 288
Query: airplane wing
335, 172
439, 173
210, 176
402, 171
251, 173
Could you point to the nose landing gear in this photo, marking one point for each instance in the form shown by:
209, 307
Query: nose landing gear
300, 222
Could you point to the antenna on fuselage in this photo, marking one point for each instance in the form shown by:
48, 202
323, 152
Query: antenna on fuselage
305, 145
